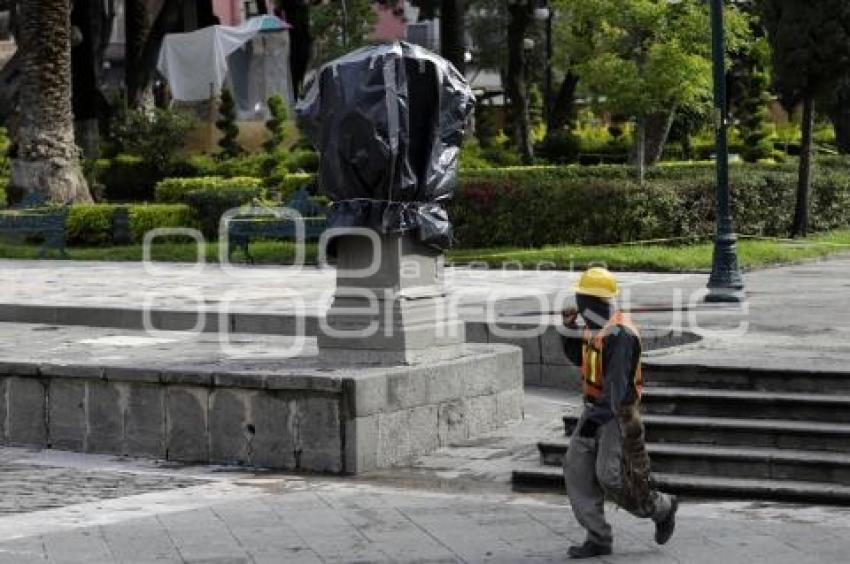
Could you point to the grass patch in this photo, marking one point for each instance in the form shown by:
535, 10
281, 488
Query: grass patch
752, 253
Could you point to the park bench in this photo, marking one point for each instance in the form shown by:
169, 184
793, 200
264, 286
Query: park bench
32, 218
263, 224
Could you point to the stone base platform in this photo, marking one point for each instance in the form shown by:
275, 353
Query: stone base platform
186, 398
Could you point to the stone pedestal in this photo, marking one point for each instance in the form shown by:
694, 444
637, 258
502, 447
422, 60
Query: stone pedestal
390, 305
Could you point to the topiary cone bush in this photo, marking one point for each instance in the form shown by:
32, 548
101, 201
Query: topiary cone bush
275, 124
227, 125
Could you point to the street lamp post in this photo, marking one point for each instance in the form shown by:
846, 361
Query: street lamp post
725, 283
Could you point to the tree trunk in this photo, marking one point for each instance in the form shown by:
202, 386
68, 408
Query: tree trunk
518, 22
452, 28
801, 212
137, 27
94, 23
563, 111
658, 127
840, 117
9, 82
640, 150
167, 17
46, 163
300, 45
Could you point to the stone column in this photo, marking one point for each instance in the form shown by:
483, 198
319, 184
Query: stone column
395, 312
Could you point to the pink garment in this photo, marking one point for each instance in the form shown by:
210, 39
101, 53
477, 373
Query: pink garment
228, 11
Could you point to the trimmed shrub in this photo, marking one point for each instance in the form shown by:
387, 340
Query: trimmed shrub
126, 178
536, 206
146, 217
293, 182
301, 162
242, 166
227, 125
91, 224
175, 190
209, 205
275, 124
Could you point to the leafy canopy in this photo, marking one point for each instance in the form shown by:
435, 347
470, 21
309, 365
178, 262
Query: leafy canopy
643, 56
811, 44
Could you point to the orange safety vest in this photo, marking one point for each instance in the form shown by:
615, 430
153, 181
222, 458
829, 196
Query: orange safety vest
592, 370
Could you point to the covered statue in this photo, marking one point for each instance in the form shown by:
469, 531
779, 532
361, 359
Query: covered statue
388, 121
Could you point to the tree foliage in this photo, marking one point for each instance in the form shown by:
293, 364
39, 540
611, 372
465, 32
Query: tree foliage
646, 56
227, 125
811, 45
339, 27
276, 123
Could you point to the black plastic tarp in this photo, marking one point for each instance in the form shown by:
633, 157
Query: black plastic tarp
388, 121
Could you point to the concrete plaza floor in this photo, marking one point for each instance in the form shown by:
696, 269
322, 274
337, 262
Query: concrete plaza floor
452, 506
795, 316
455, 505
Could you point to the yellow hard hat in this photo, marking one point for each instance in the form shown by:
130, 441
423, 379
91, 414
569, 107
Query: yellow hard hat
597, 282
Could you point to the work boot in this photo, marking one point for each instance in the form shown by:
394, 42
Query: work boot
664, 529
588, 550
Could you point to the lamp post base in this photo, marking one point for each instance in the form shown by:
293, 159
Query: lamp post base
726, 285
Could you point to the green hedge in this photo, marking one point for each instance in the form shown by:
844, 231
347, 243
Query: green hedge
125, 178
538, 206
210, 197
91, 224
175, 190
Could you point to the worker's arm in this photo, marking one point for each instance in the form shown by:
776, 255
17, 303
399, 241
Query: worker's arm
618, 355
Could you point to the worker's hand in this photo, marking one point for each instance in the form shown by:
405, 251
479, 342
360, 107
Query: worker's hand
588, 429
570, 315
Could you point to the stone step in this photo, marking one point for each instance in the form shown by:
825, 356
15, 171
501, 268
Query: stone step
746, 404
551, 479
753, 378
734, 462
728, 431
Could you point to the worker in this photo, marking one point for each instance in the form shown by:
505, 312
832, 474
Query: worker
607, 456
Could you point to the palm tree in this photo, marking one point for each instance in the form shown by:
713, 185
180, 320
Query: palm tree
46, 162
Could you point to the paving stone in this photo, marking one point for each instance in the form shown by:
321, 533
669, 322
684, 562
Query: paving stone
424, 428
67, 414
361, 443
105, 417
187, 425
454, 426
561, 376
393, 437
532, 374
140, 540
509, 406
319, 428
525, 337
273, 444
27, 417
481, 415
144, 420
231, 426
552, 346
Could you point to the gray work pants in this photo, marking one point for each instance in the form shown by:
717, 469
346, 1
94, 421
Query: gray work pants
593, 471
